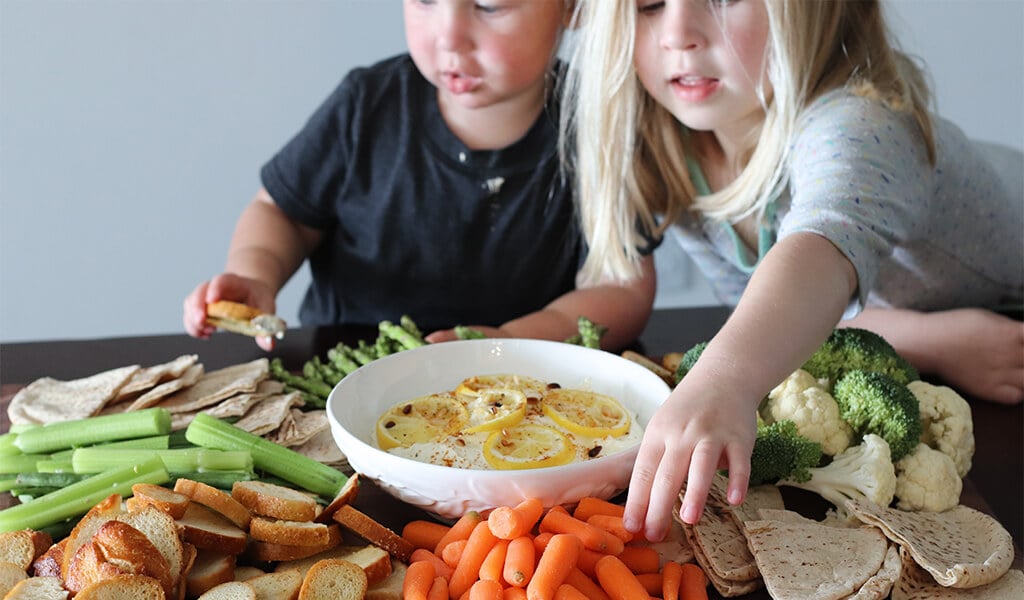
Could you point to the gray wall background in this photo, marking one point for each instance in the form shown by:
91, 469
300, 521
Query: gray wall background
132, 132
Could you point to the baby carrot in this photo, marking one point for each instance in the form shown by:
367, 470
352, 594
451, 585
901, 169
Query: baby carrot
567, 592
514, 593
452, 554
590, 506
508, 522
671, 578
485, 589
424, 534
467, 570
640, 559
652, 582
592, 537
459, 531
579, 580
418, 579
693, 585
494, 563
520, 560
612, 525
618, 581
441, 568
558, 559
587, 560
540, 541
438, 589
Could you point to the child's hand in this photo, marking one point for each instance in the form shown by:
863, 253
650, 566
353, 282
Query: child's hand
980, 353
226, 286
699, 429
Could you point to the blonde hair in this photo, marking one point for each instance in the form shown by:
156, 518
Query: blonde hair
629, 153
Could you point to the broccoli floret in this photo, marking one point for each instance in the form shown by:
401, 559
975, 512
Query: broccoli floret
873, 402
781, 452
689, 359
862, 471
850, 349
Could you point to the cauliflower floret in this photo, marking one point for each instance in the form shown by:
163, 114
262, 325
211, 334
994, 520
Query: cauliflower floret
946, 423
927, 480
800, 398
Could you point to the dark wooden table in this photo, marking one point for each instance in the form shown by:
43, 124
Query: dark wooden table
994, 485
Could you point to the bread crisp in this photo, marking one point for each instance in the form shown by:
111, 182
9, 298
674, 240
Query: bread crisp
215, 499
137, 587
209, 530
232, 590
38, 588
334, 579
373, 532
279, 585
374, 560
295, 533
209, 570
10, 575
244, 319
272, 500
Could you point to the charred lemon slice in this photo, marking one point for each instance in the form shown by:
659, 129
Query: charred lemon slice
493, 409
586, 413
422, 419
528, 446
473, 386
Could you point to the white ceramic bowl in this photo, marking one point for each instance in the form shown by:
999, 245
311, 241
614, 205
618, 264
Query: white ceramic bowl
359, 399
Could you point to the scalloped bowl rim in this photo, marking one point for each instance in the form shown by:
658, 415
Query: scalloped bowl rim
359, 399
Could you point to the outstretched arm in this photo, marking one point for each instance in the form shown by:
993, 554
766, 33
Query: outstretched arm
266, 249
623, 308
976, 351
792, 303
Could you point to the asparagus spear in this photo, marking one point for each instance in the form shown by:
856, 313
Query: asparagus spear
339, 356
409, 325
464, 332
590, 332
400, 335
317, 388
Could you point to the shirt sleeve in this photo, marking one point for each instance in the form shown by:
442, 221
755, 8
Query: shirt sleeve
858, 177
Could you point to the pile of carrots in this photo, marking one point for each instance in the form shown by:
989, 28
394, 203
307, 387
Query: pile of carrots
524, 553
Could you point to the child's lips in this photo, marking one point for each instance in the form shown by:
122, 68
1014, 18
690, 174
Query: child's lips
459, 83
694, 88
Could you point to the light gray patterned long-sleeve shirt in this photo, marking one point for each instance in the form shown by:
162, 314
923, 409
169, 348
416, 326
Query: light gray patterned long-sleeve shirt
920, 236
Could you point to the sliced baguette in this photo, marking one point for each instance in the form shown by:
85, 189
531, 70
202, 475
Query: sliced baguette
276, 501
374, 560
391, 587
188, 562
100, 513
271, 552
22, 547
123, 587
209, 530
171, 502
334, 579
209, 570
294, 533
373, 532
11, 574
164, 532
280, 585
87, 566
132, 552
232, 590
218, 500
38, 588
346, 495
48, 564
247, 572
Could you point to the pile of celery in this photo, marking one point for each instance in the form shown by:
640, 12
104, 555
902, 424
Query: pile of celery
60, 470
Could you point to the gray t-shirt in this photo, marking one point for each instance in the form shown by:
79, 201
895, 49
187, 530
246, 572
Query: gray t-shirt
920, 236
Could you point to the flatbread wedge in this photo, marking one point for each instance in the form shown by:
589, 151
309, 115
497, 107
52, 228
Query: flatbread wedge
244, 319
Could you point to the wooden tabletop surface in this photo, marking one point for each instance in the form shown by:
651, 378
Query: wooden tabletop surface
995, 484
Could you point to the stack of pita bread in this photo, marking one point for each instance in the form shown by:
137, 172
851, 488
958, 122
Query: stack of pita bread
244, 391
960, 553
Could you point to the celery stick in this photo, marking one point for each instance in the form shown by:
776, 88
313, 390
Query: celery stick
7, 485
154, 442
287, 464
95, 459
219, 479
55, 466
95, 430
20, 463
58, 480
7, 444
78, 498
22, 427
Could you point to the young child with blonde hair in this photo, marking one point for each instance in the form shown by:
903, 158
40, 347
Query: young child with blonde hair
790, 148
429, 185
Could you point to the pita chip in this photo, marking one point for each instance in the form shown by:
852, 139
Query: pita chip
915, 583
811, 561
674, 547
158, 393
961, 547
48, 400
301, 428
321, 447
268, 414
148, 377
215, 386
759, 497
878, 586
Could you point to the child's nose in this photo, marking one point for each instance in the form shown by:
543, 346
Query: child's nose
453, 30
683, 25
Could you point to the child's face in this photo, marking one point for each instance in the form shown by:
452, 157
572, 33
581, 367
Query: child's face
483, 53
703, 60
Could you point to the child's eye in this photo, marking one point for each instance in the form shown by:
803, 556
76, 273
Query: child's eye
487, 8
649, 7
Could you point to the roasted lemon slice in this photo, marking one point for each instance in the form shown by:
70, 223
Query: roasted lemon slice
528, 446
586, 413
420, 420
473, 386
493, 409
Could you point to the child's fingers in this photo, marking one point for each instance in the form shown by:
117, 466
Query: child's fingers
640, 482
665, 491
739, 472
703, 463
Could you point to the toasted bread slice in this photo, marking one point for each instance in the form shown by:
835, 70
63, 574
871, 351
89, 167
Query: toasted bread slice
132, 552
244, 319
247, 572
334, 579
294, 533
11, 574
346, 495
209, 530
165, 534
23, 547
391, 587
277, 501
209, 570
123, 587
374, 560
172, 503
188, 562
87, 566
232, 590
38, 588
279, 585
271, 552
373, 532
218, 500
49, 563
